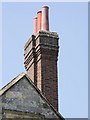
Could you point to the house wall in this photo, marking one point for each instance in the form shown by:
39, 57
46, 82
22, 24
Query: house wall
23, 97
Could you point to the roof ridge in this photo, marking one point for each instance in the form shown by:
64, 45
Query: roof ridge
12, 82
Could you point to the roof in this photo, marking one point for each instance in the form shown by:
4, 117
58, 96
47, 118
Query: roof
10, 84
18, 78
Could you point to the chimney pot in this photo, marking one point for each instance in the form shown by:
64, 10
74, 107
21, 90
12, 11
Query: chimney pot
45, 18
35, 25
39, 16
45, 7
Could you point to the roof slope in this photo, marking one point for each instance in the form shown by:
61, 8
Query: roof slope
18, 78
10, 84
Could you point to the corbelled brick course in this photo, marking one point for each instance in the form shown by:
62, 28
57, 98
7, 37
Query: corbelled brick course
41, 52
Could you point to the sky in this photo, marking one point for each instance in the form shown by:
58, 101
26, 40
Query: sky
0, 43
70, 21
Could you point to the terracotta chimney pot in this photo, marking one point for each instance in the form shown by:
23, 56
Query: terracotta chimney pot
35, 25
39, 17
45, 18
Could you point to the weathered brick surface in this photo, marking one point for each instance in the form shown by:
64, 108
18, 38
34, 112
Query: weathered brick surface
39, 77
44, 72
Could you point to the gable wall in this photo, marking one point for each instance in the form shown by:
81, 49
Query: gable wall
24, 97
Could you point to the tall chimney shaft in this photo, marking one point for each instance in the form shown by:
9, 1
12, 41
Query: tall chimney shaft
35, 26
41, 55
45, 18
39, 17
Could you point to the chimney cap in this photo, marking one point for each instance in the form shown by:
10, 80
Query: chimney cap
35, 18
39, 12
45, 7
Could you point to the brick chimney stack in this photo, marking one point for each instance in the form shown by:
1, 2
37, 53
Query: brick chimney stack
41, 55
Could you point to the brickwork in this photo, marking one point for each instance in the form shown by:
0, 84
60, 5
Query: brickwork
49, 80
43, 69
30, 58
